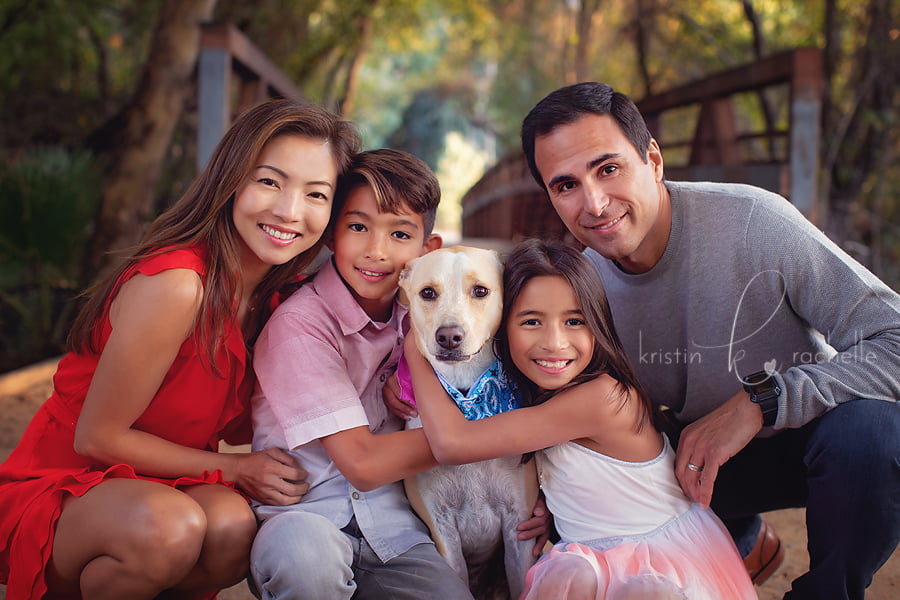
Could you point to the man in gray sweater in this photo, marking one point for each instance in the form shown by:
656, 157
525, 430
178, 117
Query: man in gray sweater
777, 354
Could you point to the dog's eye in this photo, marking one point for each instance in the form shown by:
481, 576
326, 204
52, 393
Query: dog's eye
479, 291
428, 294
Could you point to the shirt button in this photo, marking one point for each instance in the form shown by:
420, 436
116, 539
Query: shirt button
382, 378
355, 495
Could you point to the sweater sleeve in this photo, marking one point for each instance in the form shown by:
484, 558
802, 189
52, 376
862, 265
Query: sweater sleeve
857, 314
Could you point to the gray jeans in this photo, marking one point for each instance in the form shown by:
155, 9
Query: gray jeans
304, 555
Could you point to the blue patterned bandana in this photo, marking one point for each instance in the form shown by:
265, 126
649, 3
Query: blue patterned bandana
491, 394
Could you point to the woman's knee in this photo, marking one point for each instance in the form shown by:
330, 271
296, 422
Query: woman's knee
168, 534
151, 533
230, 529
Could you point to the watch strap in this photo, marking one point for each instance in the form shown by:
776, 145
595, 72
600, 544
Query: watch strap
764, 391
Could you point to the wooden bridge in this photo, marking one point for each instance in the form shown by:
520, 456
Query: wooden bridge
757, 124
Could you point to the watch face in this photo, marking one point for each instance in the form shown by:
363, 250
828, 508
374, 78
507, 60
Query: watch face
761, 382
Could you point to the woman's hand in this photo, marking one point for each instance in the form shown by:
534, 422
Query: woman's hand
271, 476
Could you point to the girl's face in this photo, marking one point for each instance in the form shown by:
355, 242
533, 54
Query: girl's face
549, 340
284, 206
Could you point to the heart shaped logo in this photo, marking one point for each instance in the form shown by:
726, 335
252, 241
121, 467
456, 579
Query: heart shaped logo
770, 366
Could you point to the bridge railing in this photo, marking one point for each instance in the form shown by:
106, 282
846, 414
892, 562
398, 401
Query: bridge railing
730, 140
233, 74
709, 130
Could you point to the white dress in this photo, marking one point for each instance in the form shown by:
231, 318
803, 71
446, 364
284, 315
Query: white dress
629, 532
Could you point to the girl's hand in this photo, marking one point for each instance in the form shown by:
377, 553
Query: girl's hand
271, 476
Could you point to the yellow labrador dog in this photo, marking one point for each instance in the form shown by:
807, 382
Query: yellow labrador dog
455, 301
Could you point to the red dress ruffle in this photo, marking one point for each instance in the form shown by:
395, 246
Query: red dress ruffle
192, 407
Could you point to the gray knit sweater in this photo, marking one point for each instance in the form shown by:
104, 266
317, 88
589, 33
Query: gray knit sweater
747, 283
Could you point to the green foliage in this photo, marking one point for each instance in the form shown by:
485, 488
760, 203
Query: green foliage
450, 80
49, 199
66, 66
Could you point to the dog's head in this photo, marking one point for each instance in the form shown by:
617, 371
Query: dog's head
455, 302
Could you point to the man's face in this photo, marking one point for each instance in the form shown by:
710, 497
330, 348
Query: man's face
610, 199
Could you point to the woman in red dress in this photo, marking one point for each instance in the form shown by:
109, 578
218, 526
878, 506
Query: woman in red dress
116, 489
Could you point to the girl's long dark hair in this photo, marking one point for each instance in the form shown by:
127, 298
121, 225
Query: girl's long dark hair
203, 217
536, 258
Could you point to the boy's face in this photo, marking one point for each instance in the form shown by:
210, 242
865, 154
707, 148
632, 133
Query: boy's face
371, 248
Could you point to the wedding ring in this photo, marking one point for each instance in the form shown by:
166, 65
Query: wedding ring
694, 467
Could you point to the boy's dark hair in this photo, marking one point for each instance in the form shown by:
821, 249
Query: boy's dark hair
399, 181
535, 258
568, 104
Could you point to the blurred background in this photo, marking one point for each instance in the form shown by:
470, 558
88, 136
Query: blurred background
101, 107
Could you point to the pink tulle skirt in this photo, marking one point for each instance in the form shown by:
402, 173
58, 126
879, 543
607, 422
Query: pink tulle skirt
691, 557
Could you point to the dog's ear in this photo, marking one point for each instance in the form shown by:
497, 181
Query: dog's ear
403, 295
499, 259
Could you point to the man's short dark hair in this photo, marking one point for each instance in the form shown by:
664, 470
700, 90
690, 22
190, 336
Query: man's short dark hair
568, 104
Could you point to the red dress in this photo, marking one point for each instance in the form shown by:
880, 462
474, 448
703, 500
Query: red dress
192, 407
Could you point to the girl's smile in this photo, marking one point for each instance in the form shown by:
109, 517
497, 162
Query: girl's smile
553, 366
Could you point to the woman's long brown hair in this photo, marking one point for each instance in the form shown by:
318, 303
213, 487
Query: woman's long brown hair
203, 217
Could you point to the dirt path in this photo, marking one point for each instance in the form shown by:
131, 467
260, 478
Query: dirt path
21, 392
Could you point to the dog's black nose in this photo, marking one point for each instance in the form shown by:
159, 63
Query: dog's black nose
450, 337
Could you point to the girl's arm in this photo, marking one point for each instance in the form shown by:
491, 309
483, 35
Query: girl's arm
151, 318
586, 411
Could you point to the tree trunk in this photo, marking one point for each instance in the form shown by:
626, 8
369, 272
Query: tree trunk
758, 52
584, 25
860, 135
351, 80
134, 144
643, 17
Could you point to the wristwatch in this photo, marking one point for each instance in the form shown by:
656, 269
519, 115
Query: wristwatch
764, 391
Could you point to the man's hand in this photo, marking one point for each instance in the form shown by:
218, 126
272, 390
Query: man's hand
271, 476
391, 395
707, 443
537, 527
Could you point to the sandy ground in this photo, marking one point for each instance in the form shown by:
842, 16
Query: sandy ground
21, 392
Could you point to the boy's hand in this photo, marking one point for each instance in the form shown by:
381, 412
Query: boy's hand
391, 395
537, 527
271, 476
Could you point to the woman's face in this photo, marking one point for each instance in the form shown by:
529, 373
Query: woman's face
283, 207
549, 340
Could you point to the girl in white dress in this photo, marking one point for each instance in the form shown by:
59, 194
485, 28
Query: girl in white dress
627, 529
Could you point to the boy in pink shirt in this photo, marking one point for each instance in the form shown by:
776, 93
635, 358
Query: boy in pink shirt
321, 363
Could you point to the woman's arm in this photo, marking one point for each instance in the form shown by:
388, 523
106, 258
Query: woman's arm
151, 318
580, 412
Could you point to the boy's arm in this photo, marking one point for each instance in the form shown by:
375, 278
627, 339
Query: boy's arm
312, 399
369, 461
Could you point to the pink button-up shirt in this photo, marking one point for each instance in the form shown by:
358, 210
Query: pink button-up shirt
321, 364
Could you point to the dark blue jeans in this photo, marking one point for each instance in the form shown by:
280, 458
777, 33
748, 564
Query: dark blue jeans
844, 467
